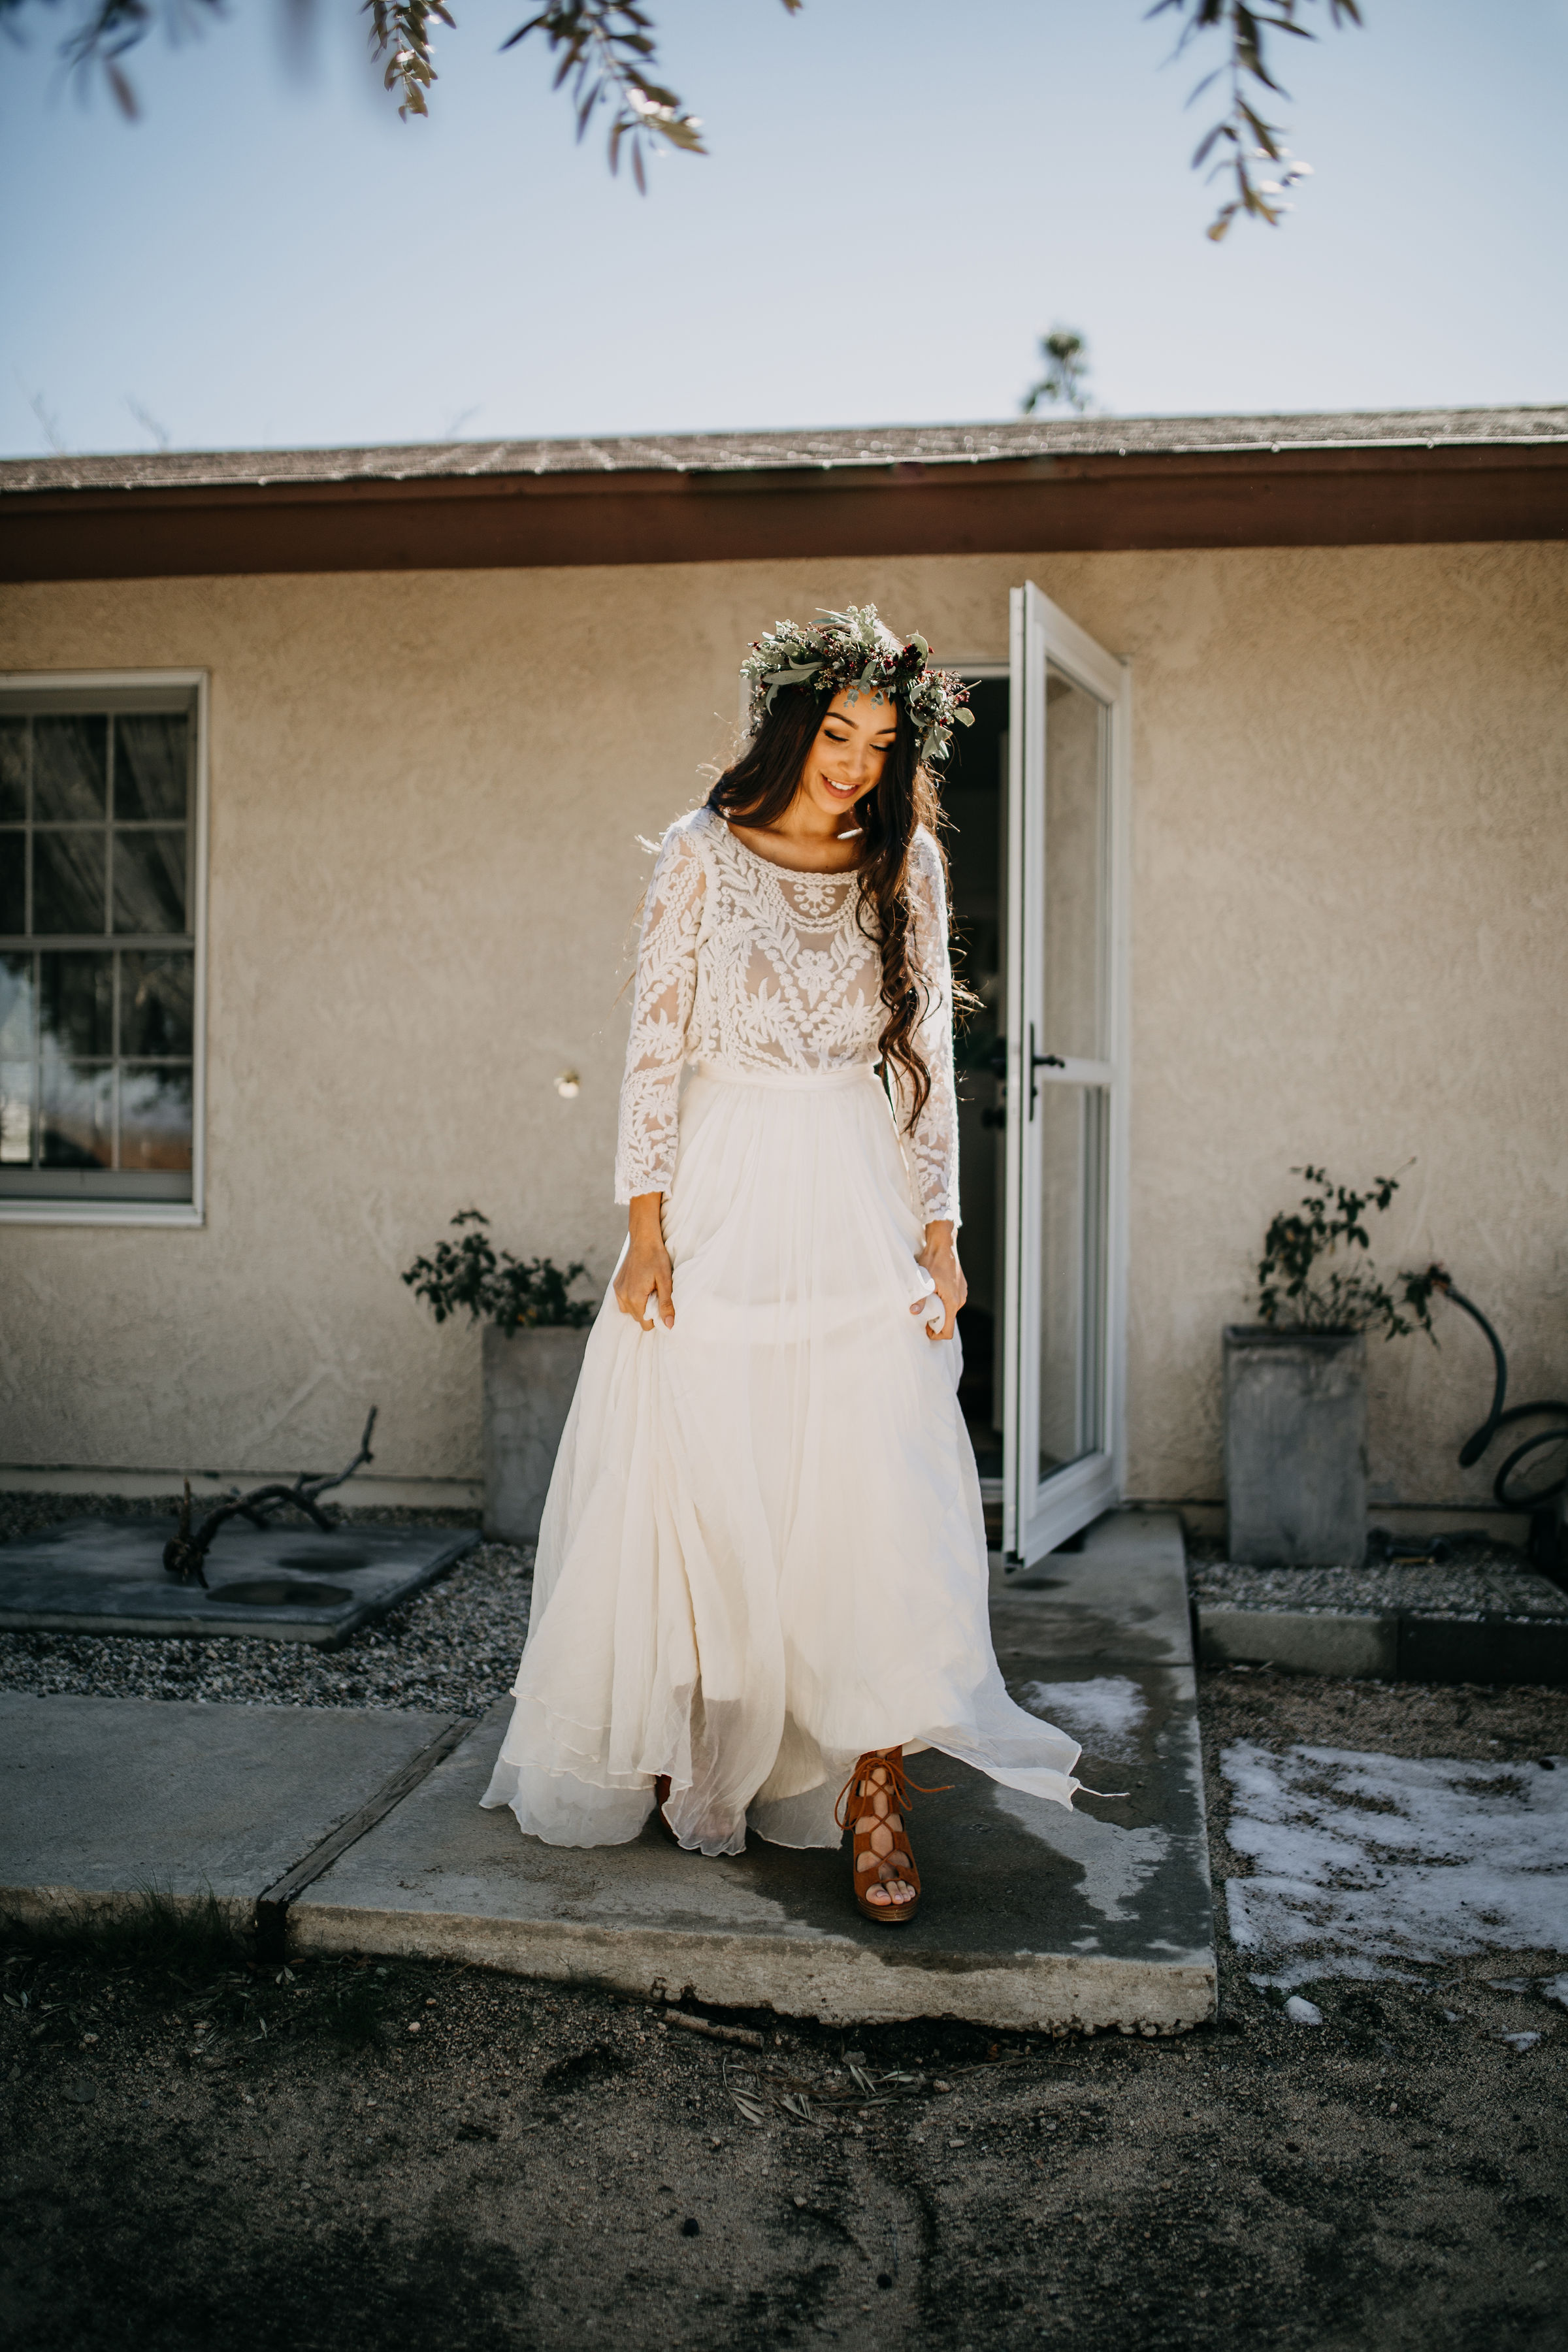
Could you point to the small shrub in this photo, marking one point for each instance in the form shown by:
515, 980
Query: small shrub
497, 1288
1300, 1285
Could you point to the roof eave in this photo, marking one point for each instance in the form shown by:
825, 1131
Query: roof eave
1344, 492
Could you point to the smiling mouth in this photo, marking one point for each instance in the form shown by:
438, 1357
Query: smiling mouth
839, 792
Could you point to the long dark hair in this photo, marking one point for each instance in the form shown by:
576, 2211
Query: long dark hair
761, 786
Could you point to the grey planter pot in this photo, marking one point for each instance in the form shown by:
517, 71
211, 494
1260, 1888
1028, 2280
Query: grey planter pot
1295, 1446
530, 1377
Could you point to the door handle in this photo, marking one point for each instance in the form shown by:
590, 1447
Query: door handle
1039, 1062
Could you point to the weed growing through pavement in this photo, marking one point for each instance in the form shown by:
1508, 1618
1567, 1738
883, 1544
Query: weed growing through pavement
149, 1929
74, 1974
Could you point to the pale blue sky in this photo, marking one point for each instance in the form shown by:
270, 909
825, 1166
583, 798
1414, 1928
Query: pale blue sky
901, 195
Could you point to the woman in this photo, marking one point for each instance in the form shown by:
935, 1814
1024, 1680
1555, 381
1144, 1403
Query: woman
761, 1576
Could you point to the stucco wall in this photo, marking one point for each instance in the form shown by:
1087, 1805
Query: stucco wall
1351, 865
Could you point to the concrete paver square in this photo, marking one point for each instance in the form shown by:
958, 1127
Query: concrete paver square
105, 1796
280, 1583
1033, 1916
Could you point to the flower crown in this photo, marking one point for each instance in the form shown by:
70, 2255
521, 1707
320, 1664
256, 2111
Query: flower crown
855, 653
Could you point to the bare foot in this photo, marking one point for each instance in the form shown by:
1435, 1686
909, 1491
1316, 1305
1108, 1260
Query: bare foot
891, 1890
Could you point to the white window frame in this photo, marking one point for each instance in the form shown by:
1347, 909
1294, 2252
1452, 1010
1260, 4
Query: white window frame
37, 1211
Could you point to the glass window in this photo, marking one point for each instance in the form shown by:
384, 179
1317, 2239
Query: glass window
97, 948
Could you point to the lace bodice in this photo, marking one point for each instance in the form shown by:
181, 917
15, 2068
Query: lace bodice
759, 970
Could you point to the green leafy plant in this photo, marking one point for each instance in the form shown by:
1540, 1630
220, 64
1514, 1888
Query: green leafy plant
1316, 1273
496, 1287
1065, 383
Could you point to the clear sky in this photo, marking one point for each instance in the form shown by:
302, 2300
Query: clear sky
901, 195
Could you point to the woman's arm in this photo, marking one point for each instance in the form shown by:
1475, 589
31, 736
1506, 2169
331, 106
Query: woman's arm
940, 1259
650, 1089
932, 1142
644, 1277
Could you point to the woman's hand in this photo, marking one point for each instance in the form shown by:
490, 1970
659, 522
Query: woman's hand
646, 1267
940, 1258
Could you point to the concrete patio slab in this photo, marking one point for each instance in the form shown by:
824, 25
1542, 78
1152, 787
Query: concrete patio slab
104, 1798
347, 1829
282, 1583
1034, 1917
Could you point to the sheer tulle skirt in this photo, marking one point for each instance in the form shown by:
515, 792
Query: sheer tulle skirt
762, 1551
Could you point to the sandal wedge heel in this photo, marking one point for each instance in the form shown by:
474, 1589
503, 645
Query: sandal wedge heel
871, 1805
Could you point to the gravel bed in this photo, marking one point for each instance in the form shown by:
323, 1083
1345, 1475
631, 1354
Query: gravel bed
453, 1647
1496, 1585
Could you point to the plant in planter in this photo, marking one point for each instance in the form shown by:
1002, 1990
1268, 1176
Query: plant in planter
1295, 1381
533, 1342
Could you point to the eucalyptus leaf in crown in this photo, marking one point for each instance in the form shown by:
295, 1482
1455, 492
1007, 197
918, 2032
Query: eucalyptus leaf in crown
855, 653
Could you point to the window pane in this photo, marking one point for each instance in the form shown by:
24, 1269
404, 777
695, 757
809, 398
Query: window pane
76, 1125
1075, 796
78, 1004
15, 1114
68, 881
13, 883
70, 764
15, 1008
151, 764
150, 880
154, 1118
1072, 1274
13, 768
155, 1002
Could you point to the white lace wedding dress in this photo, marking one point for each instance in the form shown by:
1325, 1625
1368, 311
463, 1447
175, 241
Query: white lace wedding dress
762, 1551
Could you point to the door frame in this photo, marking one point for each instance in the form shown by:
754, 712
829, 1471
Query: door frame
1042, 635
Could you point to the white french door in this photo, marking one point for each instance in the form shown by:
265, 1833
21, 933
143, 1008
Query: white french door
1066, 1127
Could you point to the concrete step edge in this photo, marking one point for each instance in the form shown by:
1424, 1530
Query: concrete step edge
1403, 1646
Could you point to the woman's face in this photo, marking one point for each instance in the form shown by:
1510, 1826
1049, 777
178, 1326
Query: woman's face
849, 749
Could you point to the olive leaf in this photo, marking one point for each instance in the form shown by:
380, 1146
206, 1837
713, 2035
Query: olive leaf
1242, 136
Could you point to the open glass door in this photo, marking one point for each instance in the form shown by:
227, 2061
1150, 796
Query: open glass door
1065, 952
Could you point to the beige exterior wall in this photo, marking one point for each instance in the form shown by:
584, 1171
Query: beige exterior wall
1350, 866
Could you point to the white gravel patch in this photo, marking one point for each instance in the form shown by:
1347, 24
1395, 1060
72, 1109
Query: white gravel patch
1371, 1863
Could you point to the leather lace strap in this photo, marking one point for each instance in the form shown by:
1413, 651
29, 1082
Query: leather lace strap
898, 1786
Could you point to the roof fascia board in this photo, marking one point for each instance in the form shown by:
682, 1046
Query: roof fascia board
1347, 495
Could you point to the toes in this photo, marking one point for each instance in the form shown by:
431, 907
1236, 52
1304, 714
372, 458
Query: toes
876, 1894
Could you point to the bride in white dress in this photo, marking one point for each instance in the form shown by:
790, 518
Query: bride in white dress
762, 1576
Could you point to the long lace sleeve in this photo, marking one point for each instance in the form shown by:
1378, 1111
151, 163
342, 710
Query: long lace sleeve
661, 1009
932, 1148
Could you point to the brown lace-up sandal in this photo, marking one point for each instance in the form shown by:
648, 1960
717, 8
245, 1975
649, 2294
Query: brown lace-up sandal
661, 1799
872, 1804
